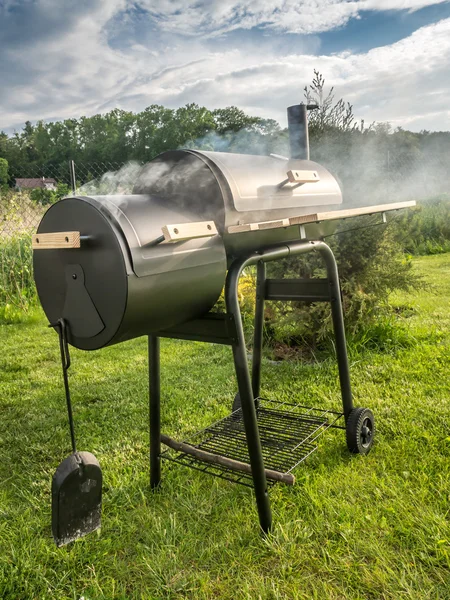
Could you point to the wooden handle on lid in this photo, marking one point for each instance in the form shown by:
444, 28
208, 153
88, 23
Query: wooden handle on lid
188, 231
52, 241
298, 176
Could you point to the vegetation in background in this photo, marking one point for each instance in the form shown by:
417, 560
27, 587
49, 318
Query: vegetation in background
120, 136
17, 289
353, 527
45, 197
19, 214
4, 177
426, 229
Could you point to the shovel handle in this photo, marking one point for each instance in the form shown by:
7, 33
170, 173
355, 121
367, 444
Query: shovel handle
61, 326
64, 346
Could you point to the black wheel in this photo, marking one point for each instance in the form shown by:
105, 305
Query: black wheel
237, 402
360, 430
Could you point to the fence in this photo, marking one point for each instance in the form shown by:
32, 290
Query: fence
365, 180
22, 207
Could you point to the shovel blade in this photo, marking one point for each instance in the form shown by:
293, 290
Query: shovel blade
76, 497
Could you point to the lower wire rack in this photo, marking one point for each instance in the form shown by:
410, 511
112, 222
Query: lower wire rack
288, 433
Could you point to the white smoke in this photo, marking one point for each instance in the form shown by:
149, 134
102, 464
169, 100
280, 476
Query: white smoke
371, 173
368, 171
119, 182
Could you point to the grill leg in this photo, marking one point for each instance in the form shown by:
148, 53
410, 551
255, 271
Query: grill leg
247, 402
259, 327
155, 410
339, 329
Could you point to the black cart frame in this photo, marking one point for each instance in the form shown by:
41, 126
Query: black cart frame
227, 328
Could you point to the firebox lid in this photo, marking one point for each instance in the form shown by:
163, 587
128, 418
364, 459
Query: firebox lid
141, 220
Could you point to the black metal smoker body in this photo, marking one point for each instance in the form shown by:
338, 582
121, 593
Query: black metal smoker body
154, 263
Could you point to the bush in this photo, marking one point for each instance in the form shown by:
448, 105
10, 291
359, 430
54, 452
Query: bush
45, 197
247, 299
17, 289
371, 265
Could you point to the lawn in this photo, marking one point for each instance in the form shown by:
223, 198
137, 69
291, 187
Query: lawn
353, 527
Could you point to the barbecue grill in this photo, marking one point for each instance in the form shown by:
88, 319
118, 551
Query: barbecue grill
112, 268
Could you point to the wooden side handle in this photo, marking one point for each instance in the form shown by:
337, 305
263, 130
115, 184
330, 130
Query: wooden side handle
60, 239
188, 231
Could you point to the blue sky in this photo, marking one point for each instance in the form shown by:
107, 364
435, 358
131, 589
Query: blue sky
68, 58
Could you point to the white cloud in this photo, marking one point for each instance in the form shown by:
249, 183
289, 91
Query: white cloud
63, 67
215, 17
406, 83
399, 4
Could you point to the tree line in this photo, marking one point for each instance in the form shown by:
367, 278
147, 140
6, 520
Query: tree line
337, 139
120, 136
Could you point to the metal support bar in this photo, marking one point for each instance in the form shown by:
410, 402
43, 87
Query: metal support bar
258, 328
155, 409
73, 182
339, 329
304, 290
247, 400
294, 249
215, 328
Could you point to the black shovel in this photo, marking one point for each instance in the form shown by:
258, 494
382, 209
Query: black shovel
77, 482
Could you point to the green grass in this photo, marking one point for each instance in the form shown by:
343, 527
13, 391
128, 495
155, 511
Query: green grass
353, 527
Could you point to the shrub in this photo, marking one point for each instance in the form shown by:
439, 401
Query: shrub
247, 299
371, 265
17, 290
45, 197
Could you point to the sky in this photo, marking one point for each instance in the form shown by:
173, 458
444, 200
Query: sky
68, 58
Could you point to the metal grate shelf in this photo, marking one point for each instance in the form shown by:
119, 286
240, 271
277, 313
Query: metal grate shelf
288, 434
